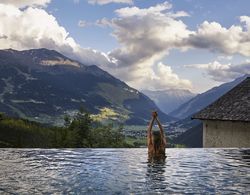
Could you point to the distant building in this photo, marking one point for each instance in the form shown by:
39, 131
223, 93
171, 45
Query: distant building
226, 122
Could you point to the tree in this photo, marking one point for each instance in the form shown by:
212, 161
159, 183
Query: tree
81, 127
67, 121
2, 116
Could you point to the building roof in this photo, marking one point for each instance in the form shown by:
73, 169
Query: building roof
233, 106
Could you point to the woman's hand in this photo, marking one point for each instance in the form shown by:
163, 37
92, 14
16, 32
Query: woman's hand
154, 114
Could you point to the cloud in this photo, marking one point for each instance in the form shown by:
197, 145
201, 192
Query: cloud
82, 23
225, 57
135, 11
223, 72
103, 2
3, 37
35, 28
179, 14
246, 20
31, 27
146, 36
163, 77
212, 36
26, 3
104, 22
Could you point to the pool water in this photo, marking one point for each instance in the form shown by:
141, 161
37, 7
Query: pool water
124, 171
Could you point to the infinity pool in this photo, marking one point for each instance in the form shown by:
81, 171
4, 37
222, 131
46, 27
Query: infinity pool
124, 171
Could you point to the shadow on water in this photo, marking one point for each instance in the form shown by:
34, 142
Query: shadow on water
239, 155
245, 155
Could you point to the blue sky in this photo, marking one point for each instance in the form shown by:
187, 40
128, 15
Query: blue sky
189, 44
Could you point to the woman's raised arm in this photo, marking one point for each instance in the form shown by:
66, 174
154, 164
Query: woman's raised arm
163, 138
149, 136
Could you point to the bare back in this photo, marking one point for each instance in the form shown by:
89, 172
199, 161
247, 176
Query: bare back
156, 149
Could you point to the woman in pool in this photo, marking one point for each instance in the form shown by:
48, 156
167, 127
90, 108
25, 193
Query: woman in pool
156, 140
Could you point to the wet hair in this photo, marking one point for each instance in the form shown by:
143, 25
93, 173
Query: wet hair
156, 139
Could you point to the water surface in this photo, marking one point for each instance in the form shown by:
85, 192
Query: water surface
124, 171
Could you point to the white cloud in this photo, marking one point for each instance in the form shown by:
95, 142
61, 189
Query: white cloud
104, 22
145, 35
179, 14
82, 23
246, 20
212, 36
135, 11
157, 10
223, 72
25, 3
225, 57
35, 28
3, 37
103, 2
163, 77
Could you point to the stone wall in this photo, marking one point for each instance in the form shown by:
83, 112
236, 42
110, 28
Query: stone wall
226, 134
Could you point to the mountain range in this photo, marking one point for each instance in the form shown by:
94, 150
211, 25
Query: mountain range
169, 100
44, 85
204, 99
192, 138
188, 131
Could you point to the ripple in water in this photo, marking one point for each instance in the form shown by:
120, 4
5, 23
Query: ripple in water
124, 171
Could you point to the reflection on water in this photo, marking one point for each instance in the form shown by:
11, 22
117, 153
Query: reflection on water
124, 171
155, 177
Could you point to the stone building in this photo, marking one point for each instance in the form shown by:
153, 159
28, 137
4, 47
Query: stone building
226, 122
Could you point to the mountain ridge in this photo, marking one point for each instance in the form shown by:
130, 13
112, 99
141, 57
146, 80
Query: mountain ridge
170, 99
204, 99
45, 85
187, 128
